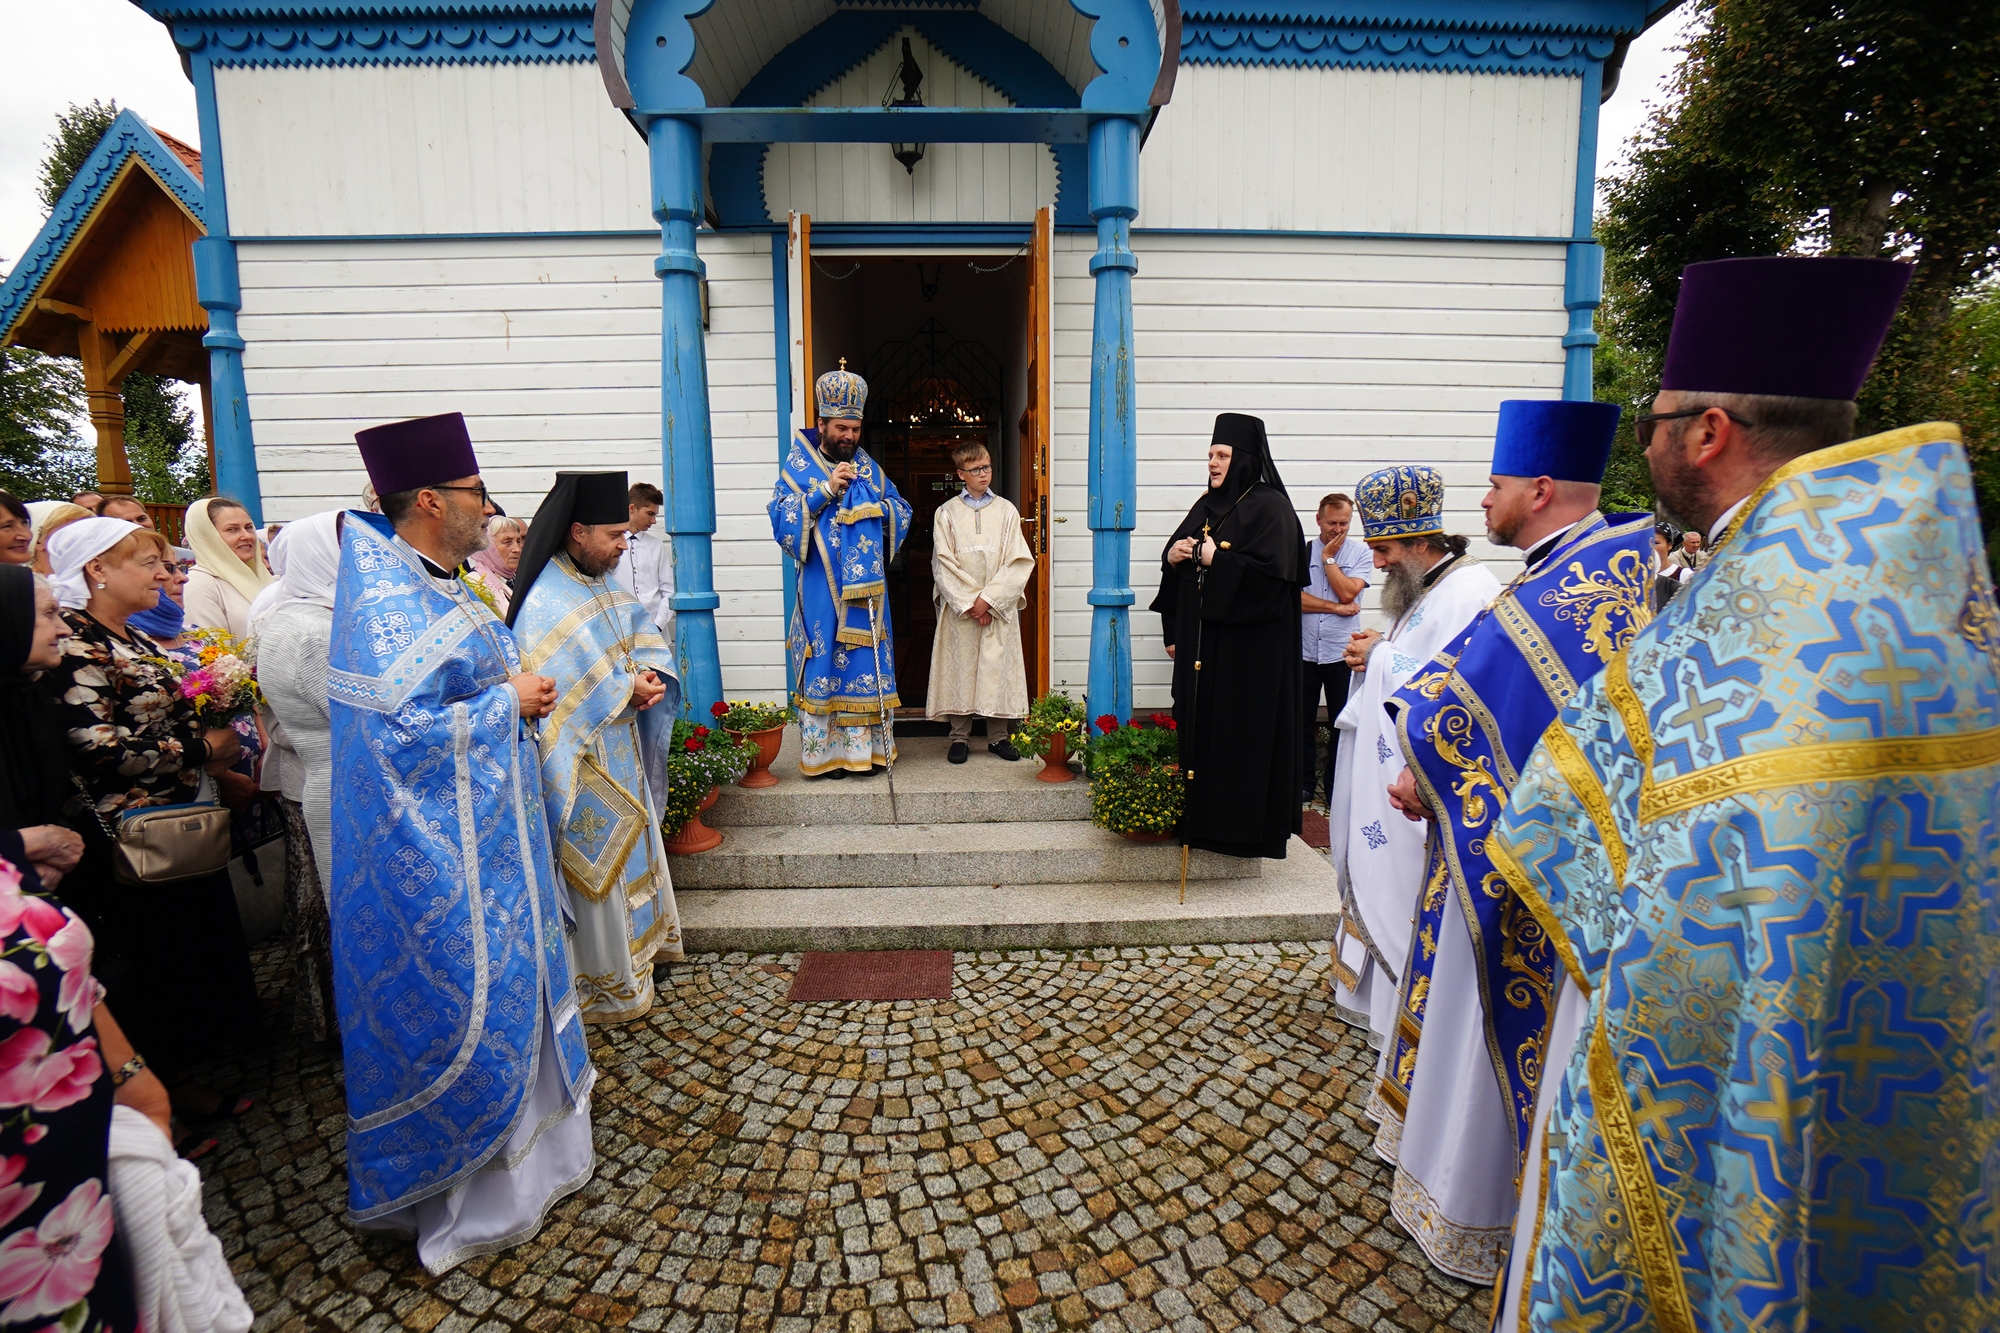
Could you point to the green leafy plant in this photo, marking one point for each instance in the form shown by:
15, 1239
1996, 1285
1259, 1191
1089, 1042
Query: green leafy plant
701, 760
1135, 775
743, 717
1054, 714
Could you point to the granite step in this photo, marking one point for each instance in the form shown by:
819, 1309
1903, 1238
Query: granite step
1293, 899
829, 856
929, 790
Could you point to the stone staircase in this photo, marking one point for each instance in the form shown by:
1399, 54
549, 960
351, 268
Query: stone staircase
973, 856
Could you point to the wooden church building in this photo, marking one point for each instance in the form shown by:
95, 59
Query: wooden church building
629, 234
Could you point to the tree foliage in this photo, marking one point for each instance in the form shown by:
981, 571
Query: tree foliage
41, 455
1814, 126
169, 461
77, 132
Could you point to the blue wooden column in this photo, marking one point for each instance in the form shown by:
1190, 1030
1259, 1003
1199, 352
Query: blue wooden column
687, 444
1583, 269
221, 295
1114, 431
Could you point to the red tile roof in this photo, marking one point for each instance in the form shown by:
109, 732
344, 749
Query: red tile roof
185, 152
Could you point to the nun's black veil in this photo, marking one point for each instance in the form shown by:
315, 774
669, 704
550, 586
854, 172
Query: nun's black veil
34, 754
1251, 510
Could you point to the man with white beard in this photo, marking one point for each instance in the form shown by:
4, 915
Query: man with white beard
1431, 590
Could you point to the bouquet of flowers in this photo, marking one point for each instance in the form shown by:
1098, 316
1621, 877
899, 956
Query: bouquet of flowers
223, 682
1135, 775
700, 760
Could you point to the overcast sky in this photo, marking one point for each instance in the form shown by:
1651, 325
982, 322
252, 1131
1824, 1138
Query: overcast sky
85, 49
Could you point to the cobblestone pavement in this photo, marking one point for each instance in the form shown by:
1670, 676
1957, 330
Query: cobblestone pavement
1110, 1139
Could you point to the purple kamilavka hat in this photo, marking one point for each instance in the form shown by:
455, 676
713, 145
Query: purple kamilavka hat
1786, 326
405, 455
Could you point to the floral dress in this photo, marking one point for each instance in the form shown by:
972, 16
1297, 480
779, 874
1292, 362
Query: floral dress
61, 1264
130, 732
172, 955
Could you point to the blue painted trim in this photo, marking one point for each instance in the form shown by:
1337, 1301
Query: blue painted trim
932, 124
127, 138
378, 32
1212, 42
655, 72
849, 37
1112, 468
781, 340
1347, 235
1583, 276
1525, 16
446, 236
217, 289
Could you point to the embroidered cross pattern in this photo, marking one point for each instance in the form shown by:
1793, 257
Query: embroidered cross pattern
389, 633
1381, 748
1373, 832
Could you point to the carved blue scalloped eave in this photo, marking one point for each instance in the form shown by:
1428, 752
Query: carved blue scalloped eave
1608, 17
1209, 42
655, 70
368, 32
844, 41
128, 136
1126, 47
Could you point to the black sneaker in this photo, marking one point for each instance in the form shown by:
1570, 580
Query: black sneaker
1005, 749
833, 775
958, 753
660, 971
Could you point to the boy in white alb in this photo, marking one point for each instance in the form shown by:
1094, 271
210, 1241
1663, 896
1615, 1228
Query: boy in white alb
980, 566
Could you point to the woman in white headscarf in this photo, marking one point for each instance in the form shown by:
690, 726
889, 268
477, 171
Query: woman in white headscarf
293, 625
50, 517
229, 567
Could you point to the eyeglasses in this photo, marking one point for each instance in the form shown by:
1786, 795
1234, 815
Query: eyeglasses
1642, 427
975, 471
480, 491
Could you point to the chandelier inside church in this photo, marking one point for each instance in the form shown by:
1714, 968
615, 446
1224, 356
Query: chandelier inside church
937, 401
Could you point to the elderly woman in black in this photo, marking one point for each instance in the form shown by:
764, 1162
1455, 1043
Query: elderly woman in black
172, 957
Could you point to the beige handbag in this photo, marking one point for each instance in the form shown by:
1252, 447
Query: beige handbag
163, 844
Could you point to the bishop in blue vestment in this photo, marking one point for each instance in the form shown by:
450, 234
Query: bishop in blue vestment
841, 521
468, 1081
1763, 843
1458, 1073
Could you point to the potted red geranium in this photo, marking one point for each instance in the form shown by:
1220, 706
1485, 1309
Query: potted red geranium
763, 725
700, 761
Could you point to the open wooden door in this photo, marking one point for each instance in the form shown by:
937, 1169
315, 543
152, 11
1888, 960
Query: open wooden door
798, 259
1034, 456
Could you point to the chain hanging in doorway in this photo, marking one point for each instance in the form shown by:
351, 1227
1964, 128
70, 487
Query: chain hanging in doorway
1018, 254
837, 277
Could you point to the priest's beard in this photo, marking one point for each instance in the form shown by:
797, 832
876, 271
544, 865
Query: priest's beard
840, 451
594, 565
1682, 492
1402, 588
464, 535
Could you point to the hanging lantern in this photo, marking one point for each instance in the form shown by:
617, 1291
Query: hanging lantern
911, 78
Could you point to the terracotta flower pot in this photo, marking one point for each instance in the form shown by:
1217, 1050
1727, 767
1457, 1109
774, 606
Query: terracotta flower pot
1149, 837
768, 741
1055, 764
696, 836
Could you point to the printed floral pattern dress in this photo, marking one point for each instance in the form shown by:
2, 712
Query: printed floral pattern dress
172, 956
61, 1264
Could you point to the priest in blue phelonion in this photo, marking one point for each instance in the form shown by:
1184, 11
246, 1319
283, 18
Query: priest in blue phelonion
605, 747
841, 521
1457, 1076
1762, 843
468, 1081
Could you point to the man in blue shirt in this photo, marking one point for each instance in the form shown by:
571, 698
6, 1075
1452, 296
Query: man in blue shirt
1339, 567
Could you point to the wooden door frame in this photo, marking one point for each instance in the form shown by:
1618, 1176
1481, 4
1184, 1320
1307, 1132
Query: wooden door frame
1040, 308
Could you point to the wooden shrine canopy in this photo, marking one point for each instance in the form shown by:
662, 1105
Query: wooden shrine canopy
110, 280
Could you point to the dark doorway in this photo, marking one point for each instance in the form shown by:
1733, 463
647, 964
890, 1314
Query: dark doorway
941, 341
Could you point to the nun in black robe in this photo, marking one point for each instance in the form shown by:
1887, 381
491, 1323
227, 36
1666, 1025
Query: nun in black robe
1238, 716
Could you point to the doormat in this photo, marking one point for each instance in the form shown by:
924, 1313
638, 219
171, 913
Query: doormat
901, 974
1313, 830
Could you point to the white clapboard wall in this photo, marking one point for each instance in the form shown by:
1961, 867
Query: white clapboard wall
955, 182
1268, 148
1357, 353
551, 348
372, 150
